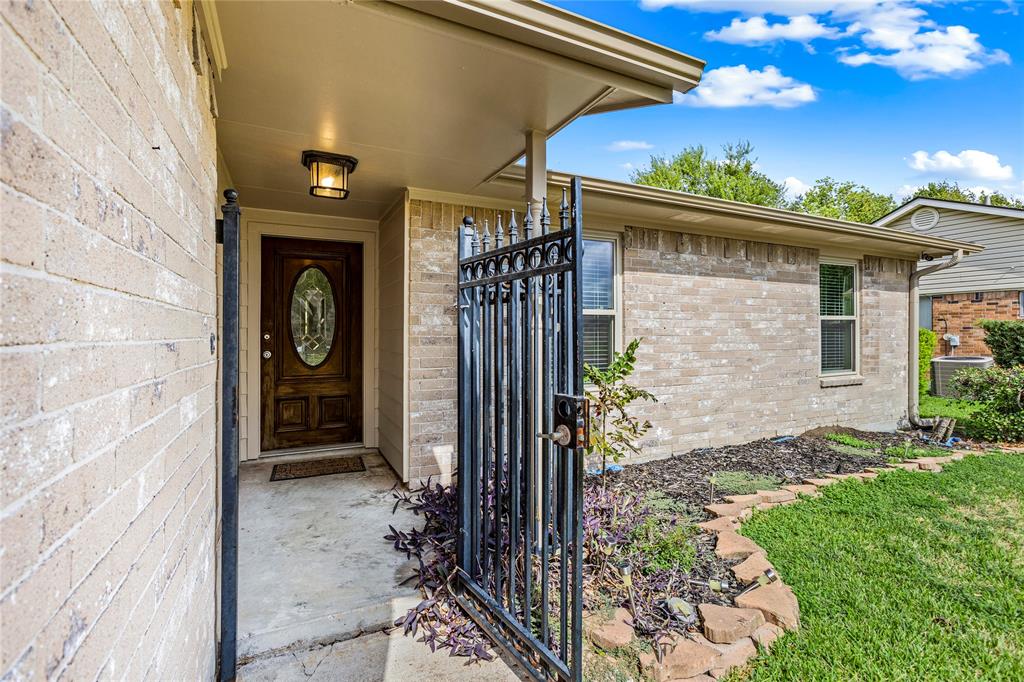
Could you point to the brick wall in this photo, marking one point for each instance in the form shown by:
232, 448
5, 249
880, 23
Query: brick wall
730, 347
108, 295
730, 333
959, 314
433, 252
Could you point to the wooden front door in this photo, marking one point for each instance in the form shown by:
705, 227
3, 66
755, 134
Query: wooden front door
311, 343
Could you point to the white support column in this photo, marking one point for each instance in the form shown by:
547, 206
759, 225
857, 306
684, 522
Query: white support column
536, 172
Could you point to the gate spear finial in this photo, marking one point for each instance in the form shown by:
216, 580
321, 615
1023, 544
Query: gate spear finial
563, 211
486, 237
499, 234
545, 216
528, 222
513, 229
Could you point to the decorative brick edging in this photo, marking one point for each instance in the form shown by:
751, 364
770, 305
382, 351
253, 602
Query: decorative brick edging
732, 634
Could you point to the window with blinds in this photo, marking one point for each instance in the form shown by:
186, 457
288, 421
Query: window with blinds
598, 301
838, 313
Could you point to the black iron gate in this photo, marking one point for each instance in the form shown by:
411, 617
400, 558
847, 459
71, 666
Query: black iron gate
522, 432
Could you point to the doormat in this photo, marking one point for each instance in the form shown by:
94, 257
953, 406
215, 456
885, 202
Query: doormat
319, 467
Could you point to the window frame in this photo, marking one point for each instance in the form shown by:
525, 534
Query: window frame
855, 371
615, 312
1020, 304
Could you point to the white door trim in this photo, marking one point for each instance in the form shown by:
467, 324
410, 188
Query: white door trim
258, 223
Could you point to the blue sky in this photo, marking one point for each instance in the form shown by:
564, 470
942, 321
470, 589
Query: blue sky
887, 93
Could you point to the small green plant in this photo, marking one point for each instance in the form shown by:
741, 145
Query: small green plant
613, 430
667, 507
852, 441
899, 453
1000, 390
664, 546
742, 482
1005, 338
926, 340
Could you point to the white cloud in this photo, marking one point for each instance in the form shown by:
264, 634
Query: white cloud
738, 86
970, 163
784, 8
629, 146
757, 31
795, 186
895, 34
948, 51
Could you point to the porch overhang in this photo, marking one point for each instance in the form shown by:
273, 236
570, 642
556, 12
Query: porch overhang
436, 94
625, 203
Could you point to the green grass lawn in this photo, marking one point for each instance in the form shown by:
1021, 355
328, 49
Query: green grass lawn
912, 576
961, 410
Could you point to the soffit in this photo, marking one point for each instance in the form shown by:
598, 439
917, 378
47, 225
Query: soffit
419, 100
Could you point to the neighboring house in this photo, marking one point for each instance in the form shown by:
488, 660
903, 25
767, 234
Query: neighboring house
122, 124
989, 285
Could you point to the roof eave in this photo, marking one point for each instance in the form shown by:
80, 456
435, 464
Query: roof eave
934, 246
570, 35
951, 205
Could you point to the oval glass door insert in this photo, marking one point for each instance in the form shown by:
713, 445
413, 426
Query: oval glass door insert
313, 316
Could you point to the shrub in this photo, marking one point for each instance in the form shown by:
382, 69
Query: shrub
743, 483
926, 340
1000, 390
614, 432
1006, 340
852, 441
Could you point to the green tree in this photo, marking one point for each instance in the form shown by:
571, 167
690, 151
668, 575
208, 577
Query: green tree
948, 190
843, 200
735, 177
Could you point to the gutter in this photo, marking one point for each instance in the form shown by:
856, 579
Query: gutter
913, 349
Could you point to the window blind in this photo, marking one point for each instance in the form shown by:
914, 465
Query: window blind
836, 290
598, 274
598, 340
837, 345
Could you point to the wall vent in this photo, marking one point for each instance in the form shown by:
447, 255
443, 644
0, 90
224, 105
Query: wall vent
924, 218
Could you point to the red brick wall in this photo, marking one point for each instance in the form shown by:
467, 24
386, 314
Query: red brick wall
961, 313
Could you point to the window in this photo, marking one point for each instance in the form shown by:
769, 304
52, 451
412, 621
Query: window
1020, 304
838, 313
599, 300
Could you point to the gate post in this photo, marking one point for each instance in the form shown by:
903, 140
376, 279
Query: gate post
229, 438
466, 235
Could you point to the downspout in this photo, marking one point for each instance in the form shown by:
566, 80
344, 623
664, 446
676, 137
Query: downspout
913, 349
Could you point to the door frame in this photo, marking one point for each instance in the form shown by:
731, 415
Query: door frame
259, 223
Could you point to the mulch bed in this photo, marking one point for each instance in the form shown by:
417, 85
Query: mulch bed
685, 477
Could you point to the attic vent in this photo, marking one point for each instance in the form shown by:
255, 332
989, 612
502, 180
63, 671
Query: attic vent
924, 218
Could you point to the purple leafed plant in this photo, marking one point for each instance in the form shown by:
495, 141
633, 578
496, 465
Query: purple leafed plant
440, 618
615, 525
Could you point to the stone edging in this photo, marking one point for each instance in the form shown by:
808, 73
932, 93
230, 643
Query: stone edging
732, 634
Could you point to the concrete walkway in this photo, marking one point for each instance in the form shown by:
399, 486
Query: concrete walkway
313, 566
376, 657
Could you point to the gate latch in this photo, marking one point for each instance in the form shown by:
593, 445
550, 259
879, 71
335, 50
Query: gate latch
571, 423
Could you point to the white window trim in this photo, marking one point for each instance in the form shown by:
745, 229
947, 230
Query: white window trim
616, 311
1020, 304
855, 317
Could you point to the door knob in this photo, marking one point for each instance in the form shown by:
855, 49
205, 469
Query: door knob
266, 355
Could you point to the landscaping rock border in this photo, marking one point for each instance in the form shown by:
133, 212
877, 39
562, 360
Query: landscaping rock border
731, 635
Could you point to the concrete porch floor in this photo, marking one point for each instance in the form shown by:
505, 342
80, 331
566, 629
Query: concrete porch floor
317, 583
313, 565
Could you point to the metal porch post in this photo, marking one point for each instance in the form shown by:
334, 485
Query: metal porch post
229, 439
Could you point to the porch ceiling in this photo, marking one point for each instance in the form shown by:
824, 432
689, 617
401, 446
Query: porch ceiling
421, 100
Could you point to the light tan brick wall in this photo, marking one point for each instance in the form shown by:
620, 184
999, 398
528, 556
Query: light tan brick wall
730, 333
433, 252
108, 303
959, 314
730, 347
